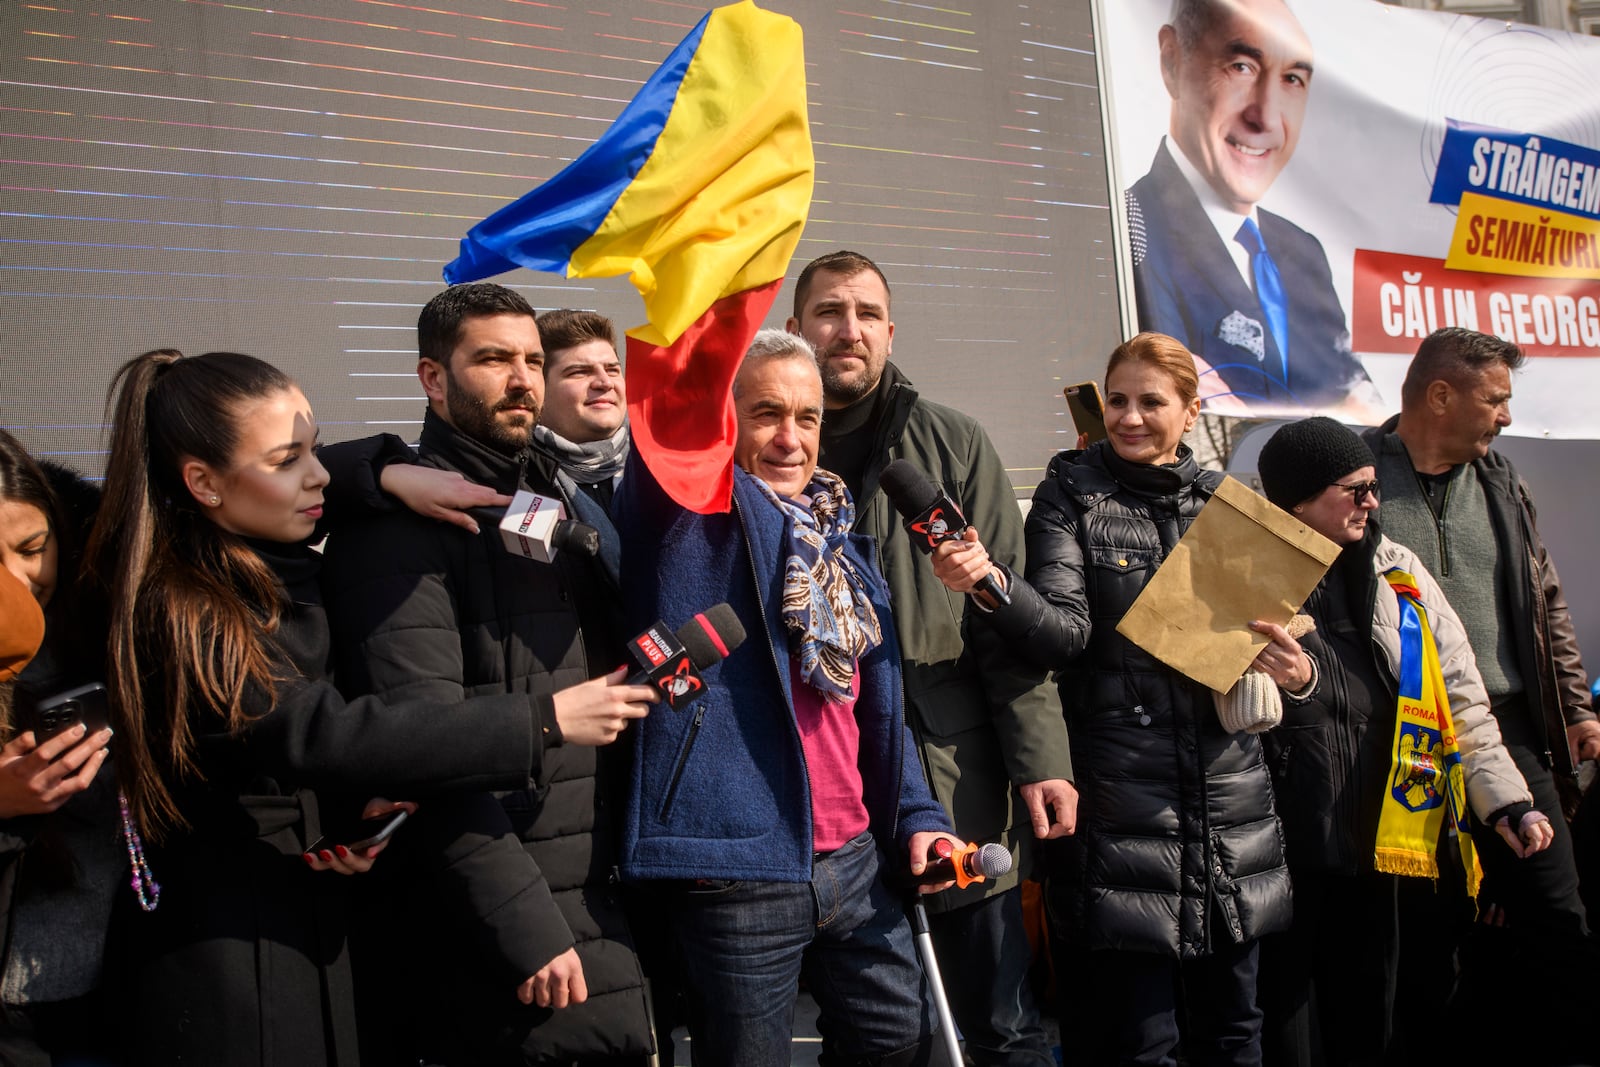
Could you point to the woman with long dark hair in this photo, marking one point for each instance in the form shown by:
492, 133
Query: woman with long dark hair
231, 743
60, 857
1177, 867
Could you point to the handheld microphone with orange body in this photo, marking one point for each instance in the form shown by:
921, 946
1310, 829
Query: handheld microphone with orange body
966, 864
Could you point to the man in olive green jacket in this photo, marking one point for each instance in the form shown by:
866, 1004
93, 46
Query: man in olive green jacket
993, 739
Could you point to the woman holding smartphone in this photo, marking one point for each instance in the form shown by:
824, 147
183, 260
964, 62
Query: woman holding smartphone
227, 728
60, 858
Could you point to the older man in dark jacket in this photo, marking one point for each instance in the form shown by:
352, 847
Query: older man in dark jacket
1460, 505
771, 814
515, 890
990, 727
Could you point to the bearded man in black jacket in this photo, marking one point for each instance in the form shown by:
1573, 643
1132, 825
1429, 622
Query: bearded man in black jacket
521, 942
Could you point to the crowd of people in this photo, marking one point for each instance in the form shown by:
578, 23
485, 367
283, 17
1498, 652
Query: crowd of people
229, 661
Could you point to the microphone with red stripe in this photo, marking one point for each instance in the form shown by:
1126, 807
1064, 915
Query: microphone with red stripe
932, 518
672, 662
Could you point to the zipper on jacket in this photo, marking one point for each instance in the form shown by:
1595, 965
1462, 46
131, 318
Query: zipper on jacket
1438, 518
1541, 628
1343, 757
778, 663
901, 727
683, 760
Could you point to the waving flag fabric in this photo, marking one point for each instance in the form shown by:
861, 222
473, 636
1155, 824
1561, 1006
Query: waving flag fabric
698, 192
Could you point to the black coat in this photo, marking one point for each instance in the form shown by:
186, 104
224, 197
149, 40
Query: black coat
1178, 849
426, 610
1330, 754
243, 961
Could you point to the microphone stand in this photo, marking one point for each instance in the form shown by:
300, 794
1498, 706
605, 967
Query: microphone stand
930, 964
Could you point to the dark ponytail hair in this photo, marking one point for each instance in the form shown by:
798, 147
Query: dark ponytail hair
191, 607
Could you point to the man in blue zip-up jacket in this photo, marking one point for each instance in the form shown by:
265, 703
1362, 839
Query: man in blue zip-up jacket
769, 812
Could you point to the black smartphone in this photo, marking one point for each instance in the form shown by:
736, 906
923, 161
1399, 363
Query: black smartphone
50, 715
1088, 410
369, 832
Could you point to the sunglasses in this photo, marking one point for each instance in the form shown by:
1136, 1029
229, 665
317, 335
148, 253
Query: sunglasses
1360, 491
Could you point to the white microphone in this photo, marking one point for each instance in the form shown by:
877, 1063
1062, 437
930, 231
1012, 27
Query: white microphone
537, 527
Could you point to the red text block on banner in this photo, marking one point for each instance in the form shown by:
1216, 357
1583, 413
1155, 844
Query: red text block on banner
1397, 300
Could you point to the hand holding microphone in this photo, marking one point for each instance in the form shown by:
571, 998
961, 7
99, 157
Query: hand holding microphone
669, 666
940, 860
596, 711
933, 520
963, 564
671, 662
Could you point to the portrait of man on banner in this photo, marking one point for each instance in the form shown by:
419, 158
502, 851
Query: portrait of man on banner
1247, 290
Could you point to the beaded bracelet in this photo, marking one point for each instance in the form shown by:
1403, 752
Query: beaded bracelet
143, 880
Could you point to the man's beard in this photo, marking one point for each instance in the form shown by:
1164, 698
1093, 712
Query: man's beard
840, 390
476, 418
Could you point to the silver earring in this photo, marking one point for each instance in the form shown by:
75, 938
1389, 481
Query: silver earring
1297, 508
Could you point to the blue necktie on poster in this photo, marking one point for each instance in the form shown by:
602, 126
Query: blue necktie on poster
1269, 292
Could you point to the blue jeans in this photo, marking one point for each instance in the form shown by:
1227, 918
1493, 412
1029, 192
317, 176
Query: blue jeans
745, 945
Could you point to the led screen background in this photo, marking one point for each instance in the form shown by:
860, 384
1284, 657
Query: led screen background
288, 181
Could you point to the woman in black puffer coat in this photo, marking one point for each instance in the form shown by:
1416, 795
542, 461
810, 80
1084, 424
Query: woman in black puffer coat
1177, 866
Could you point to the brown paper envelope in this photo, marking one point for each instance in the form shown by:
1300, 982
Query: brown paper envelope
1241, 559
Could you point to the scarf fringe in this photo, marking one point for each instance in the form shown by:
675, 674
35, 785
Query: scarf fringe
1406, 863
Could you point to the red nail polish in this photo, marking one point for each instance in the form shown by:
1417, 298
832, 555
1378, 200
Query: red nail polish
327, 857
307, 857
343, 852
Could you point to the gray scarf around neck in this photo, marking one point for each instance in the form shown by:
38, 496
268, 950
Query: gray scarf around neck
588, 463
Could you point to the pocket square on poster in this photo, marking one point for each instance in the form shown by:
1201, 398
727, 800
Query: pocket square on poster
1241, 331
1242, 559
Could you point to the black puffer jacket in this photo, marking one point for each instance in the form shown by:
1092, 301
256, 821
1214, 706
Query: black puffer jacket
422, 609
1178, 848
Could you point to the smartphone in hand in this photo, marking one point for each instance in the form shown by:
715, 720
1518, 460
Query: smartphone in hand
369, 832
1088, 410
49, 715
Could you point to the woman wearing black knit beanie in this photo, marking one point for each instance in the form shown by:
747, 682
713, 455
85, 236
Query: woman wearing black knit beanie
1366, 769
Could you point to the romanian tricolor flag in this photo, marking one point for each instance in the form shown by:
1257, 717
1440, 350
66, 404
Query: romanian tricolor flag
698, 192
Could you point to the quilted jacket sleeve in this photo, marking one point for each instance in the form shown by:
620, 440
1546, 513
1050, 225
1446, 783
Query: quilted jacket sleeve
1048, 619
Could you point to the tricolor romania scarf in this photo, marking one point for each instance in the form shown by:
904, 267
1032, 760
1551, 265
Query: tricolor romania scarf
1426, 789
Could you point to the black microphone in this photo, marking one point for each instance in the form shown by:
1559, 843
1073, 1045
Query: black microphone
932, 518
575, 536
672, 662
963, 866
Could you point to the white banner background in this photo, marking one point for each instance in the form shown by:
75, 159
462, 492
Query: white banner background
1386, 79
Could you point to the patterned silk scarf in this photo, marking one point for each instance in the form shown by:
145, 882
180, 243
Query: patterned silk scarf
830, 620
1426, 789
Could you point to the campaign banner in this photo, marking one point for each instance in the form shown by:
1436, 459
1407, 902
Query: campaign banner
1311, 188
